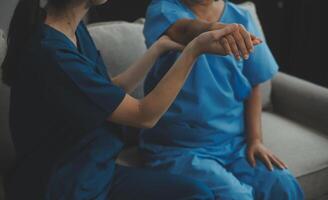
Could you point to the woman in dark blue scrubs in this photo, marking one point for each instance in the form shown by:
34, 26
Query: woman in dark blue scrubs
66, 113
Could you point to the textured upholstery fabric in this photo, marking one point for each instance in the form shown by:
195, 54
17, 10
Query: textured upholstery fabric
302, 101
304, 149
2, 46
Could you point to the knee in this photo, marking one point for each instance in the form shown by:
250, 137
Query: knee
283, 185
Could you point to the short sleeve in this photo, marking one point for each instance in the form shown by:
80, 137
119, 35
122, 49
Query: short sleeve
161, 14
261, 65
81, 95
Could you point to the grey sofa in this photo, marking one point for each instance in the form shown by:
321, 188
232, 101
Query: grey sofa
295, 115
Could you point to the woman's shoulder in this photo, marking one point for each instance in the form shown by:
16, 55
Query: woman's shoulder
54, 40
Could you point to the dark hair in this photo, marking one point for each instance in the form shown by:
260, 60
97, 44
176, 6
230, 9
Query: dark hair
28, 14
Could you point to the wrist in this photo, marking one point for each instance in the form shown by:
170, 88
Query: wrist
192, 49
157, 48
252, 141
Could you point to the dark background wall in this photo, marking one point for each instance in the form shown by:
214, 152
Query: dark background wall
294, 30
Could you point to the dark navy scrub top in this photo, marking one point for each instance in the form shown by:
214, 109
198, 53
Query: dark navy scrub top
60, 101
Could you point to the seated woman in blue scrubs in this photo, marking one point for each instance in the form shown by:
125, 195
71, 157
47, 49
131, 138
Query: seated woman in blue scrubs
212, 131
66, 113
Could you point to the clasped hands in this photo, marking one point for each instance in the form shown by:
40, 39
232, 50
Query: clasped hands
221, 39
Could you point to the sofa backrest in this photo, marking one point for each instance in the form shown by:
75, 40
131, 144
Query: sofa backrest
6, 147
120, 44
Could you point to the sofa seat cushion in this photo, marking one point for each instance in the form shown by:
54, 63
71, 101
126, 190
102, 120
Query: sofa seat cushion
305, 151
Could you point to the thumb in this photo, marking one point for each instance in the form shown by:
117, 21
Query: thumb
218, 34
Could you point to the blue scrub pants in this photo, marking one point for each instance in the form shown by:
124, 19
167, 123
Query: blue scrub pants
141, 184
236, 180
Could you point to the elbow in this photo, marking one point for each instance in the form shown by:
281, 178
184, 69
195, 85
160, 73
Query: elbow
148, 121
148, 124
147, 118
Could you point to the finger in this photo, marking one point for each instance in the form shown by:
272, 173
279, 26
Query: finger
253, 37
276, 162
247, 37
241, 44
218, 34
224, 42
251, 159
281, 162
267, 162
233, 46
256, 40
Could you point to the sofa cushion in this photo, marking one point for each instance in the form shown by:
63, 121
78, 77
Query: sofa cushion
305, 151
120, 43
2, 123
2, 46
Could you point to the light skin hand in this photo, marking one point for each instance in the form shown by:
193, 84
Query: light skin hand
215, 47
239, 43
256, 148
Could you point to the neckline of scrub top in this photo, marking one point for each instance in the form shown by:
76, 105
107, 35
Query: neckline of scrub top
222, 16
77, 46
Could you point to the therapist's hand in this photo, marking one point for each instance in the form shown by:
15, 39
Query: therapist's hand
165, 43
240, 43
210, 42
256, 150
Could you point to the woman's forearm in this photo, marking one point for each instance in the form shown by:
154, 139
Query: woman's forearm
129, 79
253, 110
146, 112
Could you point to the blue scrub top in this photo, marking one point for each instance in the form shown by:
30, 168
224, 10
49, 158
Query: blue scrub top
60, 102
209, 110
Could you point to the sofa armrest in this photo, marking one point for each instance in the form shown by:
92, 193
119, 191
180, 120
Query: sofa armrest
301, 101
